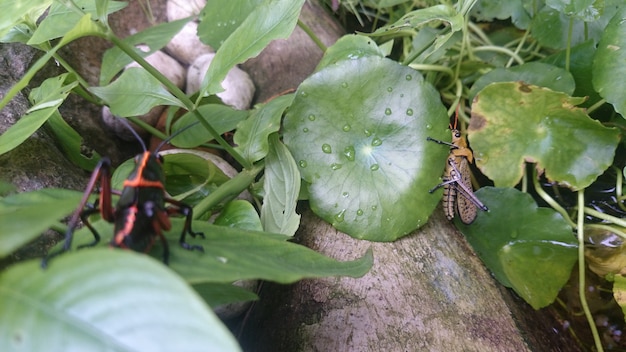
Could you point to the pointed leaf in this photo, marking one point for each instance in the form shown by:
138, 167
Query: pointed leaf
513, 123
13, 12
529, 249
273, 19
282, 186
134, 93
232, 254
222, 118
61, 18
104, 299
241, 214
26, 215
252, 134
155, 38
608, 66
220, 18
358, 130
46, 99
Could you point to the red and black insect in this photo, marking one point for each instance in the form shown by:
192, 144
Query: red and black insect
141, 214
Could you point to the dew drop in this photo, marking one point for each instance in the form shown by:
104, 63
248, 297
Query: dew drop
344, 84
339, 217
345, 194
326, 148
389, 89
304, 94
359, 212
429, 127
346, 128
349, 152
367, 133
305, 130
311, 117
409, 112
374, 167
374, 207
408, 77
335, 166
377, 142
302, 163
387, 111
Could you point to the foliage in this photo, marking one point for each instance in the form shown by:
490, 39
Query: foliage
355, 132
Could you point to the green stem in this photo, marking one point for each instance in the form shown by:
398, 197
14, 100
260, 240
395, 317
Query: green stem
228, 190
172, 88
502, 50
602, 216
581, 270
551, 202
312, 35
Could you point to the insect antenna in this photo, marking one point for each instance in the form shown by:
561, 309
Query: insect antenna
132, 130
168, 139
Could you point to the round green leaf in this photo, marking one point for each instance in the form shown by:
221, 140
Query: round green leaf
357, 130
102, 299
608, 66
513, 122
528, 248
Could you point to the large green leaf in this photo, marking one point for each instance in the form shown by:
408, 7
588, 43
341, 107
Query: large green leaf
513, 123
99, 300
135, 92
609, 70
273, 19
46, 100
26, 215
358, 130
529, 249
232, 254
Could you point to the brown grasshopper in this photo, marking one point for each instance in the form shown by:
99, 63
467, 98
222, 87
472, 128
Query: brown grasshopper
457, 184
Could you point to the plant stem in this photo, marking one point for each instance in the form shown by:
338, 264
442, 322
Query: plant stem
312, 35
228, 190
172, 88
549, 200
581, 271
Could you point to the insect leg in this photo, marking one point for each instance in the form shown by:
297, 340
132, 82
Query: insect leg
184, 209
464, 190
101, 171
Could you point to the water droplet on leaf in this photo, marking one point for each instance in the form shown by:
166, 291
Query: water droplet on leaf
335, 166
349, 152
377, 141
302, 163
326, 148
346, 128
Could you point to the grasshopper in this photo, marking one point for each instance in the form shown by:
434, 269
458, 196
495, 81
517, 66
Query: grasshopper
458, 195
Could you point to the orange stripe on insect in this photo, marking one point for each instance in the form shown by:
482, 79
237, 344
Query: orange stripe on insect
128, 226
139, 180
